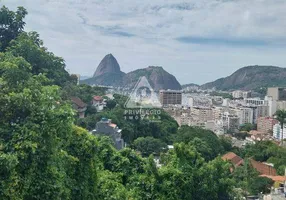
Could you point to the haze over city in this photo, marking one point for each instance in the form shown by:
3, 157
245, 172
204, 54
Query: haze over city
197, 41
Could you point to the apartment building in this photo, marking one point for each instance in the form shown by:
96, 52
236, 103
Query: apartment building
262, 111
265, 124
276, 97
253, 101
230, 122
200, 101
170, 97
245, 115
237, 94
203, 114
278, 133
277, 93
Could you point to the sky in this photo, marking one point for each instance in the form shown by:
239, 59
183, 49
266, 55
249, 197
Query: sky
195, 40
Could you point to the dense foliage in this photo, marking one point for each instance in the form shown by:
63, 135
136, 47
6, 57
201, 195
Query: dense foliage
43, 155
149, 145
268, 151
247, 127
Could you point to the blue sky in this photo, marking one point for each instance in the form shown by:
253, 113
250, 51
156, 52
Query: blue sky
195, 40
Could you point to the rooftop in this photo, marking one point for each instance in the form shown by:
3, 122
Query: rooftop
275, 178
263, 168
78, 102
113, 125
233, 158
97, 98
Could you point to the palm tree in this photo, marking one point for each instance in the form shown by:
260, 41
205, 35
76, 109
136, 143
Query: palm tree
281, 117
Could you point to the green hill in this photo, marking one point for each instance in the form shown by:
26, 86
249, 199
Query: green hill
250, 77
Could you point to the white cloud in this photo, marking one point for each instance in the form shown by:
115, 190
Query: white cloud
220, 36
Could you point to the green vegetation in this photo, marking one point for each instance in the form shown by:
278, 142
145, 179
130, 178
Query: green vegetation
149, 145
225, 95
44, 155
247, 127
248, 179
281, 117
190, 85
14, 22
261, 184
84, 92
262, 91
205, 140
268, 151
255, 77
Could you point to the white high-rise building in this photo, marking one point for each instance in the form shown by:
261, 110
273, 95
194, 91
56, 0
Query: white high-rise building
272, 104
229, 121
225, 102
277, 132
254, 101
241, 94
245, 115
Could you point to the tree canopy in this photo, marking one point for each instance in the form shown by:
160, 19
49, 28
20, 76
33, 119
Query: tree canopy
45, 155
11, 25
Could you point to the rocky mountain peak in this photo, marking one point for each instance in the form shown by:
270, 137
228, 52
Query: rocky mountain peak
108, 64
108, 73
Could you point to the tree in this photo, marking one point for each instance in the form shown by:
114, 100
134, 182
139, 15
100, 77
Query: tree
185, 175
90, 110
268, 151
260, 151
30, 47
149, 145
83, 174
34, 125
281, 117
246, 127
244, 175
186, 134
260, 184
110, 104
202, 147
225, 143
11, 25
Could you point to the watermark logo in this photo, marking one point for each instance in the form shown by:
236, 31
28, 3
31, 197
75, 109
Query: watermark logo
143, 96
143, 102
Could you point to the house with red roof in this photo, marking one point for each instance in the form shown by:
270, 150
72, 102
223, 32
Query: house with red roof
263, 168
98, 102
233, 158
79, 106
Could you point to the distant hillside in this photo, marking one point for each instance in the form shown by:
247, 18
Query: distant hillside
107, 79
190, 85
108, 73
250, 77
157, 77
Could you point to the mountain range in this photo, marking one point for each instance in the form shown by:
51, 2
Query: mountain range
250, 78
108, 73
